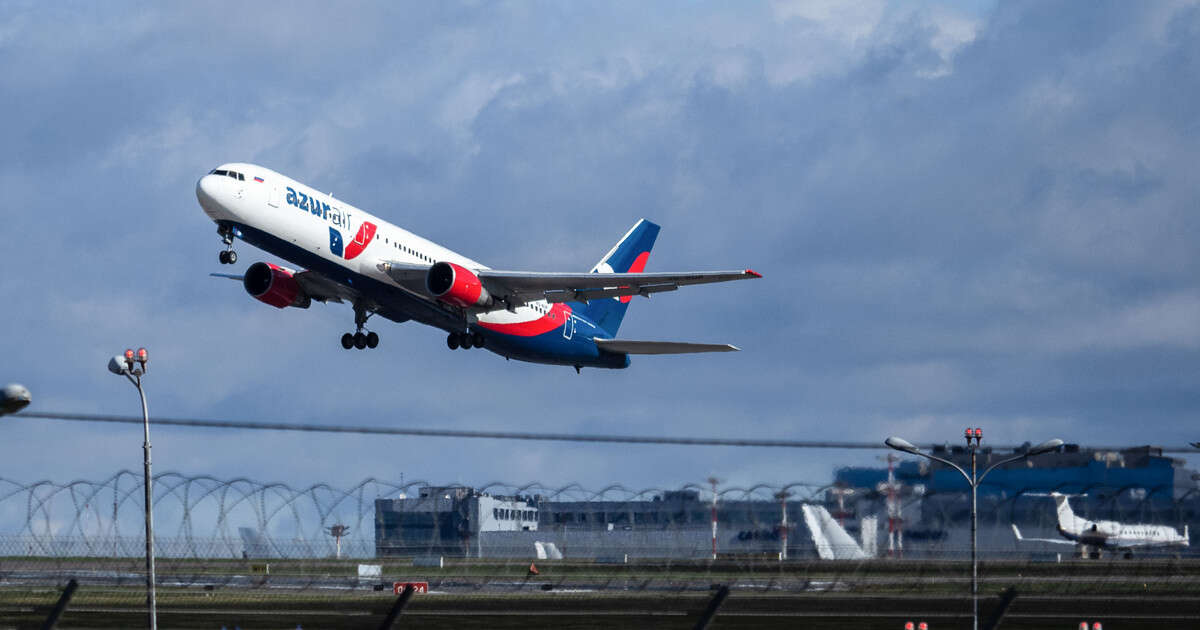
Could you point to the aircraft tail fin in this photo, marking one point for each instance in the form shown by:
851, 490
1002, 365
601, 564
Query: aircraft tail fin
831, 540
629, 255
1067, 520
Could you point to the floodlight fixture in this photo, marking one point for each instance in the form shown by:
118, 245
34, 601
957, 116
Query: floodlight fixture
901, 444
118, 366
1045, 447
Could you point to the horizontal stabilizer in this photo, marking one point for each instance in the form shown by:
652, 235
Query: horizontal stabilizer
1056, 541
661, 347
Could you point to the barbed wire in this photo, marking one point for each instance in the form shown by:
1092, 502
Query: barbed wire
202, 516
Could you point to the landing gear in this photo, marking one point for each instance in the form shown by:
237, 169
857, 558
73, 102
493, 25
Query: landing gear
359, 339
465, 340
228, 256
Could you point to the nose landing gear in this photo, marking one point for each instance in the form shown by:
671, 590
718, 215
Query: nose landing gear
360, 339
228, 256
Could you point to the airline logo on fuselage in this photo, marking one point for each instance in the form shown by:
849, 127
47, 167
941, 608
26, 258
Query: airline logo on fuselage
366, 232
338, 219
316, 207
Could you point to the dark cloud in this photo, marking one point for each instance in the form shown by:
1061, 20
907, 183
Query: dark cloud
979, 217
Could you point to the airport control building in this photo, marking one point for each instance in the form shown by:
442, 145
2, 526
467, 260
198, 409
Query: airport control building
463, 522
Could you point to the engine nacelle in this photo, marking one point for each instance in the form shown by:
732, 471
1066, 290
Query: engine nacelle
455, 284
274, 285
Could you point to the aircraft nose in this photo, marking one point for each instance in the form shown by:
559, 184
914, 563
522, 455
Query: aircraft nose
206, 191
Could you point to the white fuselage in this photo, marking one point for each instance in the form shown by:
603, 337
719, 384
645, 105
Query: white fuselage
299, 215
1113, 533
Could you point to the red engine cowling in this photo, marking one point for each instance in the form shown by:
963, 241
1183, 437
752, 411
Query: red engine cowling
274, 285
455, 284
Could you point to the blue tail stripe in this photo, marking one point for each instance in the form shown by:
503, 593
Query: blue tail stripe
607, 313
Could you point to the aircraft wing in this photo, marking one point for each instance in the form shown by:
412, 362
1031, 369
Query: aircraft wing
1056, 541
516, 288
520, 287
320, 288
315, 285
661, 347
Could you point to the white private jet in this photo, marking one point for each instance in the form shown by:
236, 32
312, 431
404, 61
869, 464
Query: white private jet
1107, 534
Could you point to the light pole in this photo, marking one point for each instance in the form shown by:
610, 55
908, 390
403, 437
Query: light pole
977, 434
337, 531
714, 481
132, 365
783, 495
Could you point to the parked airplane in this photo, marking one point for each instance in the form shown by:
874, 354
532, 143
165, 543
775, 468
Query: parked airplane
830, 538
14, 398
1107, 534
379, 268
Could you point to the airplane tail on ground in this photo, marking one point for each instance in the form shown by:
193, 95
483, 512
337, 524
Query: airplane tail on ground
1067, 521
831, 540
627, 256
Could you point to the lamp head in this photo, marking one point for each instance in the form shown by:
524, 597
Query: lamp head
117, 365
1045, 447
901, 444
15, 397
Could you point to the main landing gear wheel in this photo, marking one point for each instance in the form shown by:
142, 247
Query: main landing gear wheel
465, 340
227, 257
360, 339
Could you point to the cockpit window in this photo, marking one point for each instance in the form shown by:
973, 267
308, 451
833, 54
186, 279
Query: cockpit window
234, 174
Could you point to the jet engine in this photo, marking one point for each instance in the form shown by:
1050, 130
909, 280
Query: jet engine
274, 285
455, 284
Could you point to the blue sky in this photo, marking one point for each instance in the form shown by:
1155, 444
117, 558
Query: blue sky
966, 214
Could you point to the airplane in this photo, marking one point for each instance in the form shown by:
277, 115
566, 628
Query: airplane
351, 256
1107, 534
14, 398
830, 538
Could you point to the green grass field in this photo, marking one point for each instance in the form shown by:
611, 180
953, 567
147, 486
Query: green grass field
499, 594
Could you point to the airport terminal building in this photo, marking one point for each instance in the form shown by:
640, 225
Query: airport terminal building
463, 522
924, 511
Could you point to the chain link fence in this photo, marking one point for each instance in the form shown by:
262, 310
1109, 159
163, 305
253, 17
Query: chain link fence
251, 554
